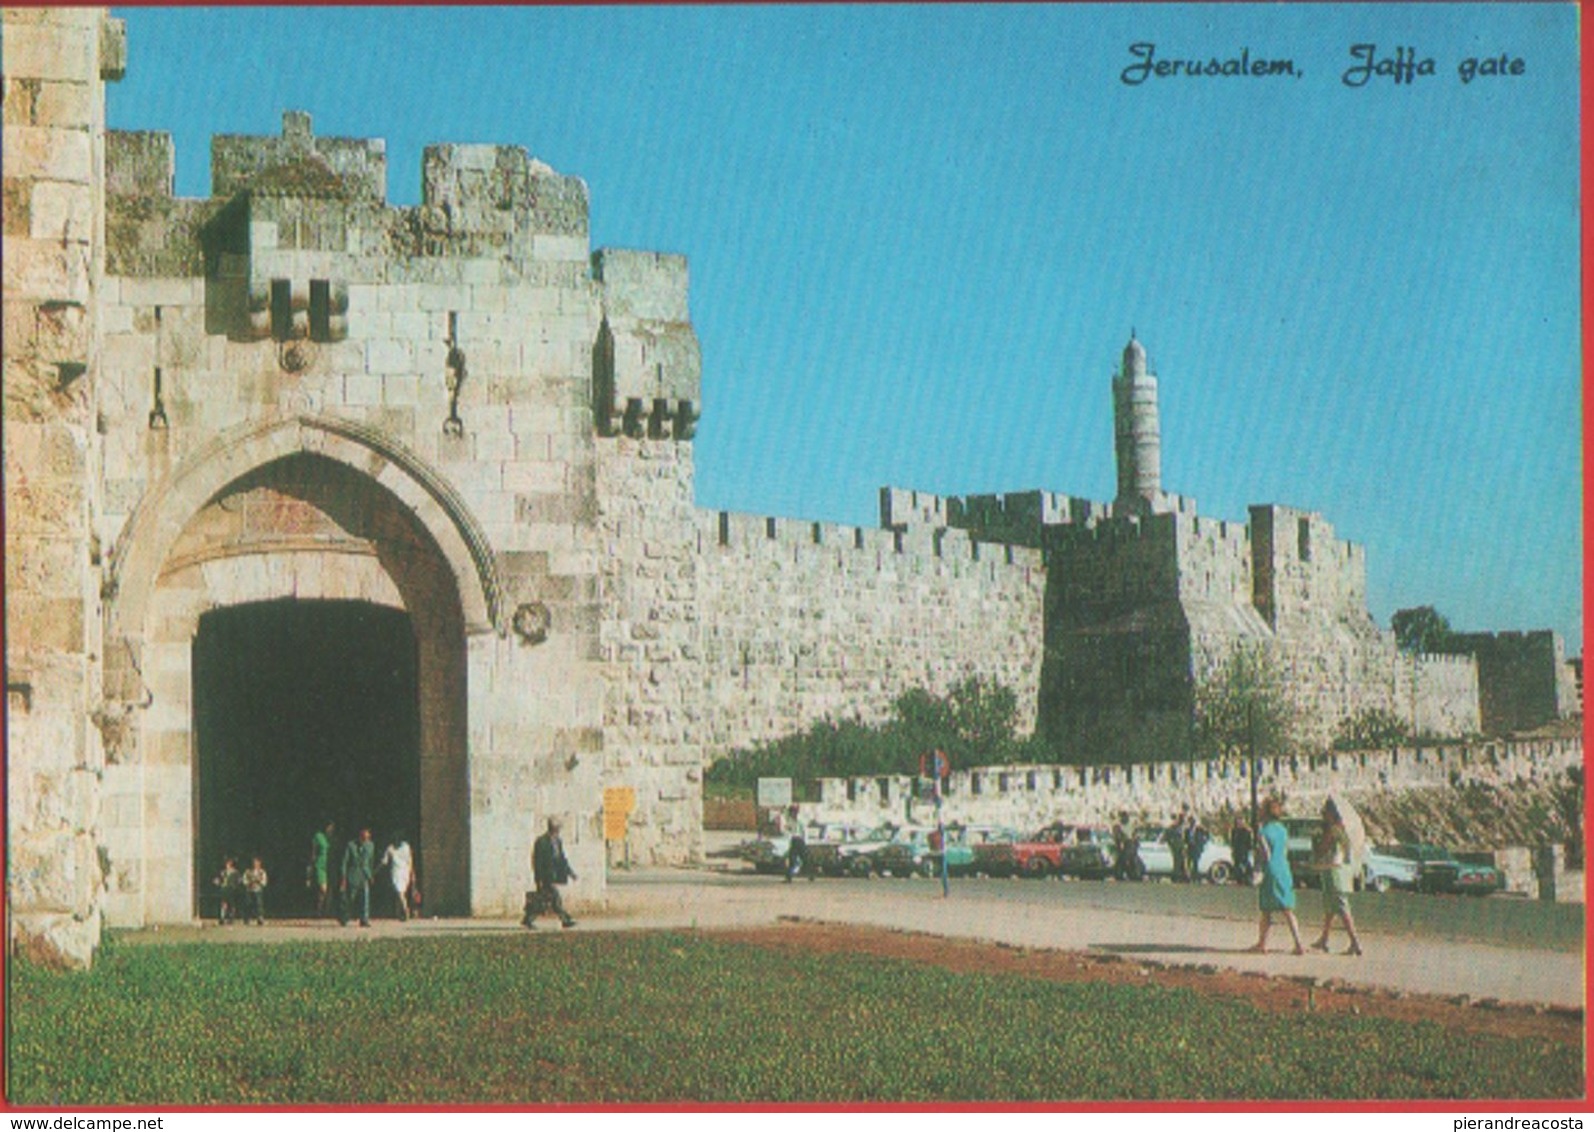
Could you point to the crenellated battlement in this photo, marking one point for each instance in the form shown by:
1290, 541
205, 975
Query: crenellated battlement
297, 207
773, 534
299, 163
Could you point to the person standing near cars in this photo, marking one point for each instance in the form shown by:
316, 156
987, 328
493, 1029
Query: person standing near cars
1176, 845
1240, 843
1195, 844
1276, 894
1331, 852
1127, 864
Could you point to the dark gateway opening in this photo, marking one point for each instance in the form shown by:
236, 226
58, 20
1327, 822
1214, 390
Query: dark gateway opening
304, 712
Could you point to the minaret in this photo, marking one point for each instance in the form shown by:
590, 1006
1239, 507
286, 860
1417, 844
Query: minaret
1137, 434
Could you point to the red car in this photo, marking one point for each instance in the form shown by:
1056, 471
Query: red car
1042, 854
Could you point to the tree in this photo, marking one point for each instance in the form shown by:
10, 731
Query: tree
984, 715
1371, 729
1423, 629
1242, 708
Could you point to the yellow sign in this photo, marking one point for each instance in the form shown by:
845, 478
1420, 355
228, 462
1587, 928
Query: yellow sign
618, 802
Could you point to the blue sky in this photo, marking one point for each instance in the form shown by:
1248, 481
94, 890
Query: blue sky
919, 237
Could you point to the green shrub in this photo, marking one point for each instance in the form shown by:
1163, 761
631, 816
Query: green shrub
974, 723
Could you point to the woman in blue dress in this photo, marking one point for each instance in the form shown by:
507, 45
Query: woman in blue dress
1277, 891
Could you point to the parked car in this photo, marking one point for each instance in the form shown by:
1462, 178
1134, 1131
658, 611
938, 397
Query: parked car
904, 855
1436, 870
1216, 863
859, 858
767, 854
1384, 869
1424, 867
963, 846
1090, 854
1041, 853
1477, 876
825, 841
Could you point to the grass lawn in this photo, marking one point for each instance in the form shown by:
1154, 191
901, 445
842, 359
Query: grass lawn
676, 1017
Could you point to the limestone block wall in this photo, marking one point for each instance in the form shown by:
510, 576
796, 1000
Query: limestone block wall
1030, 797
1440, 693
1301, 570
55, 63
805, 621
1524, 679
653, 713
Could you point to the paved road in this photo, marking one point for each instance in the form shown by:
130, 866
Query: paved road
1511, 950
1410, 946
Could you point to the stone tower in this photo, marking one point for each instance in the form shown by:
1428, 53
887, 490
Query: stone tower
1137, 435
56, 64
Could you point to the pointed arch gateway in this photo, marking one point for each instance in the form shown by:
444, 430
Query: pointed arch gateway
286, 582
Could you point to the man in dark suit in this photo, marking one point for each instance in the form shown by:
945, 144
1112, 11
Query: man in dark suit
359, 868
549, 869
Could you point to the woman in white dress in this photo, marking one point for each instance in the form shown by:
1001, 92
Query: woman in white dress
400, 864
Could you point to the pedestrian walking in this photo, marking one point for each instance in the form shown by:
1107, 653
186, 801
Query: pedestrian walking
1276, 894
317, 870
1332, 854
549, 870
359, 868
797, 848
399, 860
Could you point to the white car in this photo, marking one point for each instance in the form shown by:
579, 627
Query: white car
1216, 864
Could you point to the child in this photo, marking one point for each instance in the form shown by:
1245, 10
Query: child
255, 881
228, 881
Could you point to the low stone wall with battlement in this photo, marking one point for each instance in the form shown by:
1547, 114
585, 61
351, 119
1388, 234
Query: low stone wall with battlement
1029, 797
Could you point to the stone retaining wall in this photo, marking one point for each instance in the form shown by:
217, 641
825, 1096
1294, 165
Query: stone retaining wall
1029, 797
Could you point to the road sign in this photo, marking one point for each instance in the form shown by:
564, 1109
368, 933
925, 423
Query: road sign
935, 764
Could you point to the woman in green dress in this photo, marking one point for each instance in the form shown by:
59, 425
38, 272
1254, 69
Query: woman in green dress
1277, 891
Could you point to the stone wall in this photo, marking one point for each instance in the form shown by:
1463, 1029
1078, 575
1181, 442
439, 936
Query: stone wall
654, 719
1029, 797
1437, 694
55, 63
1523, 677
804, 621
